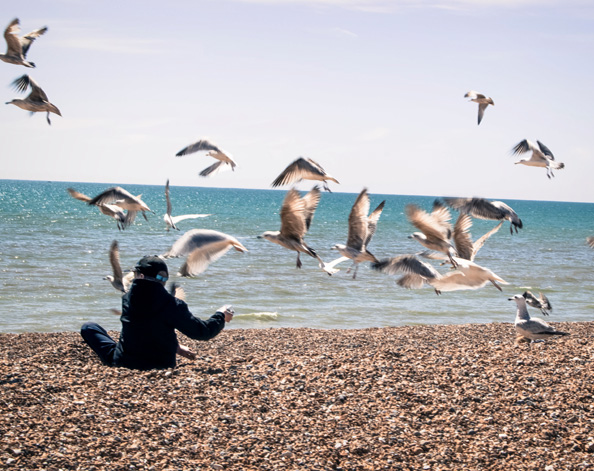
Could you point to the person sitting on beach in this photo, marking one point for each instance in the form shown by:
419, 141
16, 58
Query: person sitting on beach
150, 317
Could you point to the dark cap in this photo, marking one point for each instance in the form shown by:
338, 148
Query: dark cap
151, 265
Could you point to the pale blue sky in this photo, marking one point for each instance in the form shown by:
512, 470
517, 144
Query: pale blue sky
372, 90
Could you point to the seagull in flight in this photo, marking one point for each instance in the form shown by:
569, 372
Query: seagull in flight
482, 101
542, 302
117, 279
201, 247
224, 159
467, 275
123, 218
541, 156
361, 229
36, 102
530, 327
296, 215
124, 199
172, 220
17, 48
484, 209
303, 169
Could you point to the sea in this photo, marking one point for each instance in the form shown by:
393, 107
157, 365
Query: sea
54, 257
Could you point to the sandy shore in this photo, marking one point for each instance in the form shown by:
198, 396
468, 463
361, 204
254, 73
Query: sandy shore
430, 397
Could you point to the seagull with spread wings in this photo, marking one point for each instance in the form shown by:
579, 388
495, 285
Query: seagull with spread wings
361, 229
123, 218
541, 156
17, 48
542, 302
296, 215
36, 102
117, 279
201, 247
482, 101
224, 159
172, 220
484, 209
303, 169
124, 199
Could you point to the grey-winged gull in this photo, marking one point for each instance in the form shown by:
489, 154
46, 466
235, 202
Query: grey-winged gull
303, 169
541, 156
361, 230
224, 158
123, 218
435, 228
542, 302
17, 48
37, 101
296, 215
170, 220
201, 247
482, 101
124, 199
531, 327
484, 209
467, 275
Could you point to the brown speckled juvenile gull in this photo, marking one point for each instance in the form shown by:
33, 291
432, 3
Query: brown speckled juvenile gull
37, 101
482, 101
17, 48
172, 220
361, 230
202, 247
530, 327
303, 169
296, 215
224, 159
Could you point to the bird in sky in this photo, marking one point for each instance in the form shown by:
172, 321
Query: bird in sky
482, 101
201, 247
542, 302
435, 228
224, 159
541, 156
117, 279
416, 273
531, 328
296, 215
361, 230
303, 169
170, 220
36, 102
17, 47
124, 199
484, 209
123, 218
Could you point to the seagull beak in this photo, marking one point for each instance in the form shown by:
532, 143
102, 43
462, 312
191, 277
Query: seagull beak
510, 299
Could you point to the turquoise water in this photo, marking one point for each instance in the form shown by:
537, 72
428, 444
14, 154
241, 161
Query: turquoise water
54, 250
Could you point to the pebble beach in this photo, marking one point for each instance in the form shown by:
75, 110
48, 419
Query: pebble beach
430, 397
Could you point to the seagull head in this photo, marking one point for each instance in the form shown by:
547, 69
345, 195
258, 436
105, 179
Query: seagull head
269, 235
518, 298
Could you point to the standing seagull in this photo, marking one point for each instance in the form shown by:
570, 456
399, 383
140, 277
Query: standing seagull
171, 220
303, 169
296, 215
435, 228
202, 247
528, 327
361, 230
483, 209
117, 279
123, 219
37, 101
17, 48
541, 156
203, 145
482, 101
122, 198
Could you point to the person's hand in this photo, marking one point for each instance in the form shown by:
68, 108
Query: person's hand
228, 311
185, 352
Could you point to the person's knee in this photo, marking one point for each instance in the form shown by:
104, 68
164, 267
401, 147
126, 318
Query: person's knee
88, 328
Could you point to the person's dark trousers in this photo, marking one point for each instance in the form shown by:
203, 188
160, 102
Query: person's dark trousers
99, 340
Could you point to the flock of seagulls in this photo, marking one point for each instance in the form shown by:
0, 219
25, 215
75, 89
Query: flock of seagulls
200, 247
16, 53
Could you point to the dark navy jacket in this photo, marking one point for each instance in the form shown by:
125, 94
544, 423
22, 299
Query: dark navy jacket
150, 316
